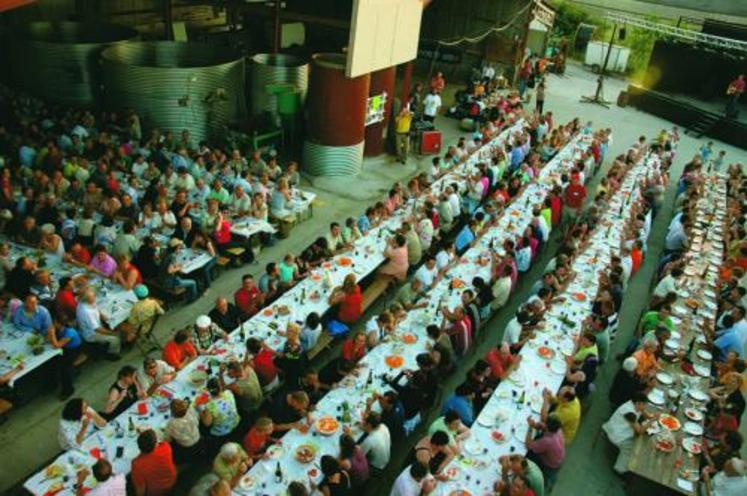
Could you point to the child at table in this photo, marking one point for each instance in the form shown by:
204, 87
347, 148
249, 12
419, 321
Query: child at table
288, 269
259, 438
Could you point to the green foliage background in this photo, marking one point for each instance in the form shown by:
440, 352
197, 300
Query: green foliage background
641, 42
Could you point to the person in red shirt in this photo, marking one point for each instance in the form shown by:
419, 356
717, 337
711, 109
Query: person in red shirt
153, 471
573, 198
556, 205
354, 348
263, 362
501, 362
78, 255
179, 351
349, 300
248, 298
636, 256
734, 91
65, 301
258, 437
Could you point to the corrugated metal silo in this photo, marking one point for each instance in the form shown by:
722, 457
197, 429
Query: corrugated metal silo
58, 61
176, 86
274, 69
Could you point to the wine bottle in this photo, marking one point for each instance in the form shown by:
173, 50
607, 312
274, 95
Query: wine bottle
522, 398
278, 473
130, 424
369, 381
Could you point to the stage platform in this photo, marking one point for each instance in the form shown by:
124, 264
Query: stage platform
689, 112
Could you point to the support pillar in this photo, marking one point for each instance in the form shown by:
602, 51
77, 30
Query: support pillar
381, 81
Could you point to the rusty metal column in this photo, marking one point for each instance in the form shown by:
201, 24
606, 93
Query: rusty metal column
381, 81
336, 115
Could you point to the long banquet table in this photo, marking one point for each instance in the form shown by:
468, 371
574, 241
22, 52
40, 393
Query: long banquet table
476, 468
678, 393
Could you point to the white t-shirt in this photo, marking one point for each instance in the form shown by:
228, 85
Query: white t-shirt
116, 485
728, 486
89, 319
405, 485
69, 429
618, 429
512, 333
377, 447
666, 285
426, 275
443, 258
431, 104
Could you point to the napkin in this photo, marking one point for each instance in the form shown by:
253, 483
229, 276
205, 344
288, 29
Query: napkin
142, 408
685, 485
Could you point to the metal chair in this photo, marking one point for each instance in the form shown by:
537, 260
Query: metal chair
146, 336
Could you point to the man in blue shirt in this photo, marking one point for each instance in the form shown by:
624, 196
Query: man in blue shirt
364, 221
731, 340
517, 155
465, 236
461, 403
32, 317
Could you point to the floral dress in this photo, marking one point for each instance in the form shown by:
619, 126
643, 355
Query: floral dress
224, 413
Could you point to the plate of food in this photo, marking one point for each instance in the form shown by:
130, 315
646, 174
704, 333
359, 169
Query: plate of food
316, 277
693, 414
558, 367
498, 437
702, 370
344, 262
326, 425
693, 429
457, 283
267, 312
546, 352
460, 492
692, 303
313, 472
665, 445
283, 310
692, 445
409, 338
664, 378
704, 355
246, 482
670, 422
578, 296
305, 453
394, 361
275, 451
53, 471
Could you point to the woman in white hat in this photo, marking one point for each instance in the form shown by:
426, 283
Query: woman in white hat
206, 334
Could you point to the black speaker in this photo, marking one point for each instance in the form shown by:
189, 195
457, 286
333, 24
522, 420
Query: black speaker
622, 34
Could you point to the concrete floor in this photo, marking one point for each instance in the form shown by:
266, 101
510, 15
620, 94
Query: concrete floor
28, 438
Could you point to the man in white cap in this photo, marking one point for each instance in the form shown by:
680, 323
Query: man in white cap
206, 334
626, 383
731, 481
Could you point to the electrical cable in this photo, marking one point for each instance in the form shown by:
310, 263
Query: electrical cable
480, 37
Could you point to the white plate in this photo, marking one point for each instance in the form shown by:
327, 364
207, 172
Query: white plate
664, 378
672, 344
656, 397
698, 395
694, 414
275, 452
693, 428
702, 370
674, 334
246, 482
558, 367
704, 355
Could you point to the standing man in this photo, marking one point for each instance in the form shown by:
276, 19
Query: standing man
431, 105
402, 133
734, 91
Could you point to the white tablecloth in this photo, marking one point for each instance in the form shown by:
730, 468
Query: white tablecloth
113, 300
477, 466
366, 257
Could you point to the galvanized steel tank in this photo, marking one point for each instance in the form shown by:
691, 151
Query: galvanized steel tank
268, 69
175, 86
58, 61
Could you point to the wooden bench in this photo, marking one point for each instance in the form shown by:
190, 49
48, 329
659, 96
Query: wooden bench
167, 294
378, 287
325, 339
